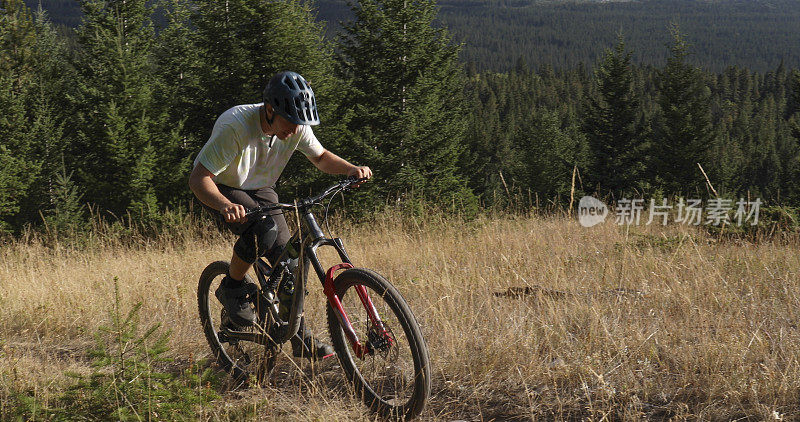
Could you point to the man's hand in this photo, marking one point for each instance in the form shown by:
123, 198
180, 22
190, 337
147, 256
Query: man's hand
202, 184
360, 172
234, 213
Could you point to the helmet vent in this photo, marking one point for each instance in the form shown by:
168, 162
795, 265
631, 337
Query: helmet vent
291, 82
314, 109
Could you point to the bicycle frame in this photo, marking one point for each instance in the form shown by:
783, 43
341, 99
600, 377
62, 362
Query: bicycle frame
390, 374
313, 238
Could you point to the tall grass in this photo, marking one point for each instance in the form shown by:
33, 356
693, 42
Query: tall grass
617, 322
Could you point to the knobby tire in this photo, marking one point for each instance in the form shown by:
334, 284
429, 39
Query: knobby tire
395, 382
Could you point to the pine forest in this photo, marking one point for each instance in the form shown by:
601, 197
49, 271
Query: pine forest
105, 117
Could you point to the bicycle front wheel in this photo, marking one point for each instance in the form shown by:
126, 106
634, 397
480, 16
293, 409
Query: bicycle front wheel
394, 378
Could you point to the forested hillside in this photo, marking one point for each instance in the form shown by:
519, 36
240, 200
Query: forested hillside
752, 34
563, 34
114, 121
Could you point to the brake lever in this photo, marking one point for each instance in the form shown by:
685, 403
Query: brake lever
353, 181
259, 210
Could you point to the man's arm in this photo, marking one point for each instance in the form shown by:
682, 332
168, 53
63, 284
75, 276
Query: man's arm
333, 164
201, 182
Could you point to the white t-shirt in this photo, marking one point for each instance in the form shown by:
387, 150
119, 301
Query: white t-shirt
239, 154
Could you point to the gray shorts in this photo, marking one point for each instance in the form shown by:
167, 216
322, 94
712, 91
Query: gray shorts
251, 199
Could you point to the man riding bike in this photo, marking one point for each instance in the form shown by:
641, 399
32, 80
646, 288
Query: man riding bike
237, 169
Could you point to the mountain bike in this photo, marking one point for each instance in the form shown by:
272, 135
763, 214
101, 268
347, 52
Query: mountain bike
372, 329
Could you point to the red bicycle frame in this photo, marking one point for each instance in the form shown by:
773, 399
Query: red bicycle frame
329, 290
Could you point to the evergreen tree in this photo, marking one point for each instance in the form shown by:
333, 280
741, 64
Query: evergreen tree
178, 63
48, 109
17, 42
406, 93
613, 125
762, 171
178, 91
787, 152
68, 212
19, 164
793, 105
17, 172
125, 149
728, 153
241, 44
551, 153
683, 127
728, 160
491, 151
792, 168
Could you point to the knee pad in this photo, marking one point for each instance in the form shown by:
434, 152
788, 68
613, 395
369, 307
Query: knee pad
257, 240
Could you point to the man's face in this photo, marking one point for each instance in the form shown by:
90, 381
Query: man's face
284, 128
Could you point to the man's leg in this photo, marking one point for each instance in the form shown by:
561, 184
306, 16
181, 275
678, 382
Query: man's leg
254, 237
234, 293
266, 196
239, 268
256, 241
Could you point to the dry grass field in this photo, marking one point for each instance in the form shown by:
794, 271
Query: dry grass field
616, 323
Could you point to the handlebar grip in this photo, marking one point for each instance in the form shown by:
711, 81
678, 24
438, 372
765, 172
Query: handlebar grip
258, 210
251, 212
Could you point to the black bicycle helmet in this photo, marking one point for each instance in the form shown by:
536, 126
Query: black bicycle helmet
292, 98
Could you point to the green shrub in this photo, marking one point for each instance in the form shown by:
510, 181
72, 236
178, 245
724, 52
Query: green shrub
126, 383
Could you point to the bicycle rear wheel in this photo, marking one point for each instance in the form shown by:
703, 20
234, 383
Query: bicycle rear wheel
238, 357
394, 380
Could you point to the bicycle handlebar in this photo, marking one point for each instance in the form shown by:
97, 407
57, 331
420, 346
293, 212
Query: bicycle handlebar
307, 202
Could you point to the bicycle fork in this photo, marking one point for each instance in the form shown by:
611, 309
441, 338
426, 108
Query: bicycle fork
360, 349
